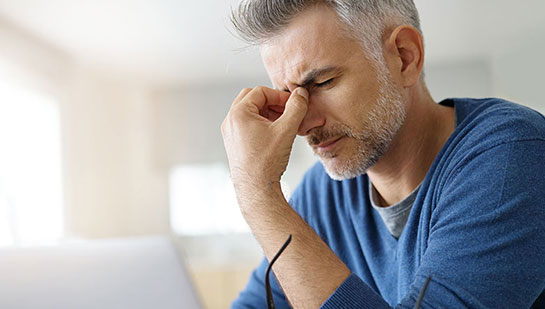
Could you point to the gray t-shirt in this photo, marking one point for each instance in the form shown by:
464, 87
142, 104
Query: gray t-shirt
395, 216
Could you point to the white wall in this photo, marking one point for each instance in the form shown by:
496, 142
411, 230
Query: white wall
111, 185
116, 189
459, 78
514, 72
517, 70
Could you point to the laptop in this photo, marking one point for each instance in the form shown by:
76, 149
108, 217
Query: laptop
120, 273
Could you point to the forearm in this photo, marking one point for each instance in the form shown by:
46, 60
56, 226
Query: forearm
308, 271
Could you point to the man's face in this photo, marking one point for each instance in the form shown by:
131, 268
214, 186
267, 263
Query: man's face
355, 108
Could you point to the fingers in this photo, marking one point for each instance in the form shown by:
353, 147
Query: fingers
241, 95
285, 109
295, 111
261, 96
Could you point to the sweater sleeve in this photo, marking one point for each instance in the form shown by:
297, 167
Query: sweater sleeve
486, 239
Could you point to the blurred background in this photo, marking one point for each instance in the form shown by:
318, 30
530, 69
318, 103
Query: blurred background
110, 115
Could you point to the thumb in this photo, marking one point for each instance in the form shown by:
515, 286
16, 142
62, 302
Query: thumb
295, 110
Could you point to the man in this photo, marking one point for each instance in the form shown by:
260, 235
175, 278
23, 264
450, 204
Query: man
407, 189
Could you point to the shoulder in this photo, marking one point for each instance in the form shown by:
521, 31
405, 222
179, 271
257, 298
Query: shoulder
495, 143
490, 122
496, 151
483, 125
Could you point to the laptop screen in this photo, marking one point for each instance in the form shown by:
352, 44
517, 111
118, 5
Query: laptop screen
120, 273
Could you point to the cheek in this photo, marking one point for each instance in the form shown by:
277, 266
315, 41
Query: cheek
346, 106
332, 104
323, 103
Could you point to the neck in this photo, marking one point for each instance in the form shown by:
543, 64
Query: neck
403, 167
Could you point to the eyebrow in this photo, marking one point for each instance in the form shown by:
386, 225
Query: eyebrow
311, 77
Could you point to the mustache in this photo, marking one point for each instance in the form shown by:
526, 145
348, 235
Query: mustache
321, 135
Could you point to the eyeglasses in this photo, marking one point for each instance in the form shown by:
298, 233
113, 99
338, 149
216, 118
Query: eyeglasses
270, 299
422, 292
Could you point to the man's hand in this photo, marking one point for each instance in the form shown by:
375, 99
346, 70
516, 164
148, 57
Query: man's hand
258, 133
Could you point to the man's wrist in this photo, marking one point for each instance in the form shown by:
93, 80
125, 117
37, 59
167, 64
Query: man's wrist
254, 195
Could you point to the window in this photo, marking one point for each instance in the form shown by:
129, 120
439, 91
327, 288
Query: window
203, 201
31, 205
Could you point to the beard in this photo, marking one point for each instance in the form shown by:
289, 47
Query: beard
372, 137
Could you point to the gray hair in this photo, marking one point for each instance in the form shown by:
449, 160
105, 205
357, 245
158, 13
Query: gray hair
256, 21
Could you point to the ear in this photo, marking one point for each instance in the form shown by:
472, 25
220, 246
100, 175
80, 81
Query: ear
404, 51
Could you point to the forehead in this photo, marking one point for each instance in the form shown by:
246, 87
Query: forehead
313, 39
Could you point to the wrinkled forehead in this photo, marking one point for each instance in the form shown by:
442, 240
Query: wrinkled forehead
315, 38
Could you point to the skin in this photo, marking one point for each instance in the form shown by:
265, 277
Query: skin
262, 123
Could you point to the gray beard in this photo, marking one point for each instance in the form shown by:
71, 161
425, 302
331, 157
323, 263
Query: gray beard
374, 137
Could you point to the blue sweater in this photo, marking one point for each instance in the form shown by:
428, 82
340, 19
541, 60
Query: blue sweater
477, 226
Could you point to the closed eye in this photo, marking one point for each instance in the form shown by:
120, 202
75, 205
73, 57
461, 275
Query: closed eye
318, 85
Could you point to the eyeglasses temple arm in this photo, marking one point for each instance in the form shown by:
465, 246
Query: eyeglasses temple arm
421, 294
270, 300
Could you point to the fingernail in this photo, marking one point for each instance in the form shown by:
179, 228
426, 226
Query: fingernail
302, 92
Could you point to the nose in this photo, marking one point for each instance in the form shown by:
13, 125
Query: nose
313, 118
